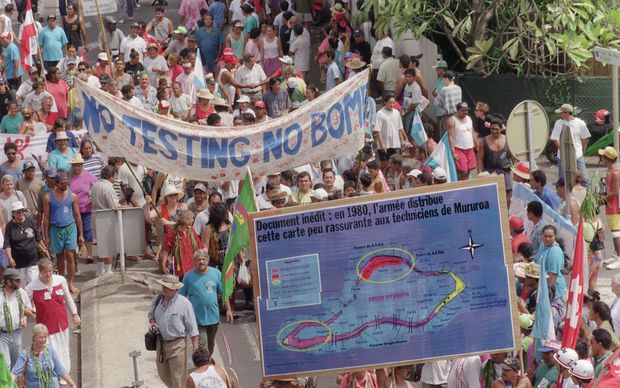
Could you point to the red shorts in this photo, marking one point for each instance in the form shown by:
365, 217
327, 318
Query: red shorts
466, 159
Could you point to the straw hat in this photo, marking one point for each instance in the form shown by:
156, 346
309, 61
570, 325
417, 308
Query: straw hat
522, 169
219, 101
355, 63
274, 195
170, 190
170, 281
61, 135
77, 159
532, 270
337, 8
205, 93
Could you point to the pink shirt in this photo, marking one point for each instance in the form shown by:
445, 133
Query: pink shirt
60, 91
81, 185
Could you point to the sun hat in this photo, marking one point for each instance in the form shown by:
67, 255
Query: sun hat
515, 222
274, 195
11, 273
238, 24
532, 270
205, 93
441, 64
103, 56
355, 63
77, 159
522, 169
219, 101
16, 206
566, 108
286, 60
609, 152
319, 194
337, 8
170, 281
61, 135
550, 346
171, 190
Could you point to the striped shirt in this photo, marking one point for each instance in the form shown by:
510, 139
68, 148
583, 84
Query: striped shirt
94, 164
447, 99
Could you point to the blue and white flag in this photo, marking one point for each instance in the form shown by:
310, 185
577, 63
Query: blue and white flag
417, 129
442, 157
543, 322
198, 75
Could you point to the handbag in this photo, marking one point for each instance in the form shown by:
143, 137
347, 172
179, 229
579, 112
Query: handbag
153, 335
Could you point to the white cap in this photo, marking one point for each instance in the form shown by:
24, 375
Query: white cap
439, 173
414, 173
15, 206
286, 60
102, 56
243, 98
319, 194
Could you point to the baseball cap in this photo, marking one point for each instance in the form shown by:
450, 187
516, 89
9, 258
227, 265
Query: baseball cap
441, 64
550, 346
71, 61
357, 32
51, 16
609, 153
414, 173
566, 108
186, 65
462, 105
137, 25
11, 273
27, 164
103, 56
62, 175
515, 222
243, 98
260, 104
5, 35
526, 321
17, 206
201, 187
439, 173
320, 194
33, 70
511, 363
291, 83
181, 30
50, 172
2, 81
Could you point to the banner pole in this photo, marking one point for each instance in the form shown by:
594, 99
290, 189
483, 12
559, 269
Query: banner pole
105, 36
140, 183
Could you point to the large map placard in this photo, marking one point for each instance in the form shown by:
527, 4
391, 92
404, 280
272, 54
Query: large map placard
384, 280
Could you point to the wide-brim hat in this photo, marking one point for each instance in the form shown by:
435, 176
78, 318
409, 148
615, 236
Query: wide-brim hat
205, 93
532, 270
355, 63
608, 152
77, 159
61, 135
170, 281
274, 195
170, 190
521, 169
337, 8
17, 206
566, 108
219, 101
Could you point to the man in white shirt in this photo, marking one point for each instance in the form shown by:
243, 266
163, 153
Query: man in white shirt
252, 76
133, 42
128, 97
580, 134
465, 372
235, 12
388, 132
185, 79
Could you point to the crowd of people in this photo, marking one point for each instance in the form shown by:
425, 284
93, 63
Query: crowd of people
257, 61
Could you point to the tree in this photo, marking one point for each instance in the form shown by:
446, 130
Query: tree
488, 36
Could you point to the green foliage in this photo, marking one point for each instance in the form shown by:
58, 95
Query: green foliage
547, 37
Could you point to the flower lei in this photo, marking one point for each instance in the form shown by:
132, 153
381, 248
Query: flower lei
177, 247
8, 319
45, 373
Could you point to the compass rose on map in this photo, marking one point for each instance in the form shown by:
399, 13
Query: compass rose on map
471, 245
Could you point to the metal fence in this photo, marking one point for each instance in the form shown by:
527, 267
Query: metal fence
503, 92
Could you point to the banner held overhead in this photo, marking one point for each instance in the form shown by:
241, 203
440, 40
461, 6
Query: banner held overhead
326, 128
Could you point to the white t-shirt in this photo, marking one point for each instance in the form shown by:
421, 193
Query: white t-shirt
237, 13
389, 124
135, 101
412, 94
333, 73
181, 105
579, 130
138, 44
435, 372
125, 176
376, 58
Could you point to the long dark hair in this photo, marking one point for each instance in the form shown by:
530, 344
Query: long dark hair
218, 215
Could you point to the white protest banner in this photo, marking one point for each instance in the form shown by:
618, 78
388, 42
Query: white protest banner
521, 196
326, 128
89, 7
31, 147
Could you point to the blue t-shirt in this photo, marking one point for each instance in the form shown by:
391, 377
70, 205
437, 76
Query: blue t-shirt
209, 43
51, 141
218, 10
11, 54
59, 160
554, 262
202, 291
47, 359
250, 23
52, 41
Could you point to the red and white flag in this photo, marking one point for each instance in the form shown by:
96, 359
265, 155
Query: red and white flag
29, 44
574, 307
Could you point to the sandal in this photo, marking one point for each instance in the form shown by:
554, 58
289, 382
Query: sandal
75, 291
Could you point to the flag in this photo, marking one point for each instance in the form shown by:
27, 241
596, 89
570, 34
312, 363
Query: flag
442, 157
543, 321
574, 308
240, 234
29, 44
198, 75
417, 129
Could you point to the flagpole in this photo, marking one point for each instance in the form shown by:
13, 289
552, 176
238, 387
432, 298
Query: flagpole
105, 37
253, 192
140, 183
